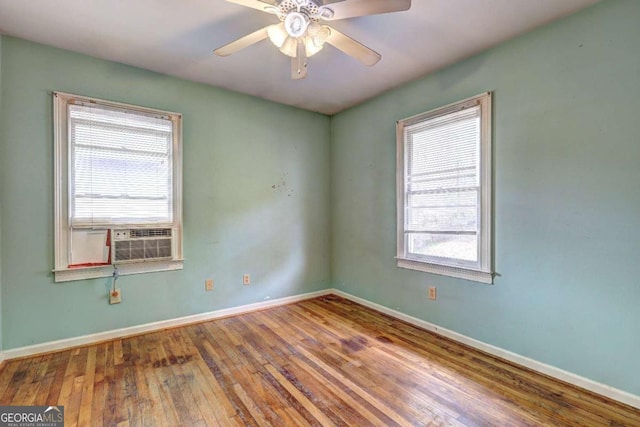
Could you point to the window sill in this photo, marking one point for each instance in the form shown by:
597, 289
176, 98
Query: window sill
70, 274
444, 270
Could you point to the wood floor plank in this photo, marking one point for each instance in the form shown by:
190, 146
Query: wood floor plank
155, 394
321, 362
222, 367
140, 361
178, 355
206, 401
30, 384
212, 390
86, 402
73, 403
71, 372
300, 397
15, 379
165, 383
8, 382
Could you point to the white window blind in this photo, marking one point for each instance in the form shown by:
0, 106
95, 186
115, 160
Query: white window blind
444, 190
443, 187
121, 166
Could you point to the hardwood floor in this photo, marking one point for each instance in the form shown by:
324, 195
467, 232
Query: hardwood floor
326, 361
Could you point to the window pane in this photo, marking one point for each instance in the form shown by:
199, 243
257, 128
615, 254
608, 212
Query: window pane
442, 186
443, 211
134, 139
447, 246
114, 117
456, 178
447, 144
121, 166
110, 173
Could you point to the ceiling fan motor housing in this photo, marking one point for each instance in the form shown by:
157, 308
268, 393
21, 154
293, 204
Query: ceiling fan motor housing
308, 8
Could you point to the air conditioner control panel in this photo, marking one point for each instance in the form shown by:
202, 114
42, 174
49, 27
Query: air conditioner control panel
120, 234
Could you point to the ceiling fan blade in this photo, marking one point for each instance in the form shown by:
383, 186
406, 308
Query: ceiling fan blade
264, 6
352, 8
353, 48
299, 63
242, 42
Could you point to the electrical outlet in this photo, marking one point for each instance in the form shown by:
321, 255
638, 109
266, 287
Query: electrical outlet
433, 294
246, 279
115, 296
208, 285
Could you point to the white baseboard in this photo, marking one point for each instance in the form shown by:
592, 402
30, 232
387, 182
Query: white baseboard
552, 371
64, 344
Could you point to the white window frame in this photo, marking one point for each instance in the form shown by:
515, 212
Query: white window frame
62, 228
483, 271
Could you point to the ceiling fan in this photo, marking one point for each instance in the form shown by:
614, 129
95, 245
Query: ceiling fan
300, 33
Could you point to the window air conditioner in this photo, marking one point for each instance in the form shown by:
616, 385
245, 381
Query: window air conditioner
141, 244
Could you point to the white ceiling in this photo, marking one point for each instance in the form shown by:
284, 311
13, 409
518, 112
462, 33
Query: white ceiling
176, 37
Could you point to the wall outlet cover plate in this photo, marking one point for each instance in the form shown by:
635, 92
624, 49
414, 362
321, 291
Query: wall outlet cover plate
115, 297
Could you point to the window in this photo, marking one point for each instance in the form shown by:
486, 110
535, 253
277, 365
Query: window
444, 190
118, 188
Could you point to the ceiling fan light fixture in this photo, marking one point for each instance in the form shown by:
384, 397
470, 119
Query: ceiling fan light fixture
310, 47
321, 36
277, 34
313, 28
314, 43
290, 47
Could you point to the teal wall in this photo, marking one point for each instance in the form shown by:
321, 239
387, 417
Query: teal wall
567, 197
256, 199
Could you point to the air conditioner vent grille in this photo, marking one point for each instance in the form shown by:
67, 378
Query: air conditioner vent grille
142, 244
149, 232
